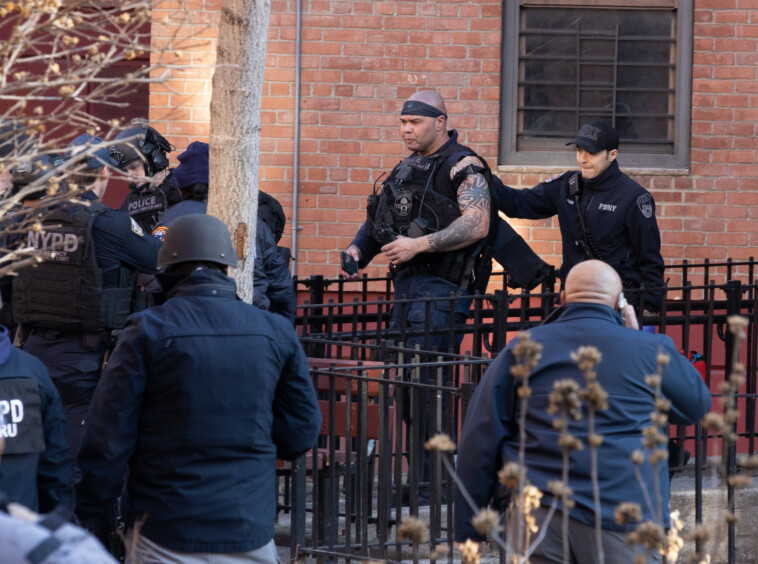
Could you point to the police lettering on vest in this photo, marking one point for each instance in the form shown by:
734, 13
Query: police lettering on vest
146, 208
21, 416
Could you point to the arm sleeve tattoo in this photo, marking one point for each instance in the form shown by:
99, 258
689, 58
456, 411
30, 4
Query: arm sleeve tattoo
473, 225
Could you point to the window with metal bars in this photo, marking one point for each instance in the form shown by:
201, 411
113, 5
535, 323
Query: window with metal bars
566, 63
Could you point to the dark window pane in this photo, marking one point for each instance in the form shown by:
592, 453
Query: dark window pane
580, 64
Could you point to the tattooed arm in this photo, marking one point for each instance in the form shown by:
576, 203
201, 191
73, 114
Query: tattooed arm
470, 227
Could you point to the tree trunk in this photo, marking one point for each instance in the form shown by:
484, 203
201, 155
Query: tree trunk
236, 128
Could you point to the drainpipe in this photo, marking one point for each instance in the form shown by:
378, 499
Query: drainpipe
296, 164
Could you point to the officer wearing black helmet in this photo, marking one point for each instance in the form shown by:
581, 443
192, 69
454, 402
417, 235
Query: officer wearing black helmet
201, 395
69, 303
273, 289
143, 155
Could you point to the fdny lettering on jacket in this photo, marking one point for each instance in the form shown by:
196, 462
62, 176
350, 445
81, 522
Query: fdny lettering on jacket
607, 207
57, 246
21, 411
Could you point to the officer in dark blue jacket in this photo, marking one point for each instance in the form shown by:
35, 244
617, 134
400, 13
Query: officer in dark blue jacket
273, 289
69, 303
491, 435
201, 396
35, 470
602, 213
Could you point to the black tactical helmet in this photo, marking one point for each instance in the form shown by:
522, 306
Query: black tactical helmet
197, 237
25, 173
144, 143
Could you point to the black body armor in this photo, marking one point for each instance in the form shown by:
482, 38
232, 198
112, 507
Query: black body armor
68, 291
419, 198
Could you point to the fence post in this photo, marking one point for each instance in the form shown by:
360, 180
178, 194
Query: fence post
733, 289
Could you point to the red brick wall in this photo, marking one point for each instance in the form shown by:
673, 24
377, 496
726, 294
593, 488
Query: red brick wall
361, 59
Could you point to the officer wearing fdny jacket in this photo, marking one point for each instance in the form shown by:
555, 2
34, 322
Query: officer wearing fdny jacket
69, 303
201, 396
143, 155
36, 467
603, 214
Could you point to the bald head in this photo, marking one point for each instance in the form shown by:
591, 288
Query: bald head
593, 281
430, 97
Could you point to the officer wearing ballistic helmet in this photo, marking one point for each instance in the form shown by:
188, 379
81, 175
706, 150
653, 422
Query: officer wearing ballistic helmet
603, 214
201, 395
273, 289
69, 303
143, 155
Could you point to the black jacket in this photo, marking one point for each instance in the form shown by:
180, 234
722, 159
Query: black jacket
200, 397
619, 214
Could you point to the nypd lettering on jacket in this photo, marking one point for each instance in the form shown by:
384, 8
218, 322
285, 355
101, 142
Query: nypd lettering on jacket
21, 416
60, 246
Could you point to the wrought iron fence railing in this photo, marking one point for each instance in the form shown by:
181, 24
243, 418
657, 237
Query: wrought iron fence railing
369, 468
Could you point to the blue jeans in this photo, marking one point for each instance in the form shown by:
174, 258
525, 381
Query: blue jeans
421, 315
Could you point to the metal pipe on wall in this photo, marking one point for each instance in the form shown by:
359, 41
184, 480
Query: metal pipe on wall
296, 162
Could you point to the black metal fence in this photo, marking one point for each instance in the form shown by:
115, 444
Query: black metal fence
370, 469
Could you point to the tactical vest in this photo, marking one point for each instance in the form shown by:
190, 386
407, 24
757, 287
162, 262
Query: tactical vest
146, 208
419, 198
67, 290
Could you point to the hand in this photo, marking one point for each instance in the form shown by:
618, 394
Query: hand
629, 317
404, 249
354, 252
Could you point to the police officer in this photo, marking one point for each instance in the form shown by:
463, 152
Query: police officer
143, 155
70, 302
201, 396
430, 218
603, 214
36, 468
273, 289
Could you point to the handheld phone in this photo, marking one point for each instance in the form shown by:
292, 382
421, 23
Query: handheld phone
348, 263
622, 302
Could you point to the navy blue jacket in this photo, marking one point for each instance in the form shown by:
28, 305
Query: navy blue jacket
618, 212
273, 289
199, 399
40, 480
490, 436
119, 240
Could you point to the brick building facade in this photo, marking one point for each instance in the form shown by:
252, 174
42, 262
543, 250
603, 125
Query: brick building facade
361, 59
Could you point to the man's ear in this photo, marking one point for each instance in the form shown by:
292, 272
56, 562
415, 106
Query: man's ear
613, 153
562, 296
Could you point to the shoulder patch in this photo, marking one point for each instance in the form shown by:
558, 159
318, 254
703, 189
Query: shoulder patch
136, 229
160, 232
645, 203
556, 177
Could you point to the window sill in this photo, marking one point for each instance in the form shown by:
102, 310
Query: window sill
553, 170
